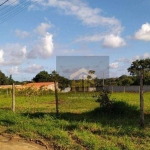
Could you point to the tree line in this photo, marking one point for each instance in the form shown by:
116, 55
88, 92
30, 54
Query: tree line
44, 76
123, 80
4, 80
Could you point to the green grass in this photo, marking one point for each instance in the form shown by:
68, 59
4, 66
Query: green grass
81, 124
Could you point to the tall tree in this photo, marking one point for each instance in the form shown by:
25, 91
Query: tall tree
90, 79
147, 78
3, 79
138, 68
125, 80
42, 76
63, 82
10, 80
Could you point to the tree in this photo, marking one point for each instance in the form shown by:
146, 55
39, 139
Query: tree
125, 80
3, 79
147, 78
138, 68
90, 80
62, 82
10, 80
42, 76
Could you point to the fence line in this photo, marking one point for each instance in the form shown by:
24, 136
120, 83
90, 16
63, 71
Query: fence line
136, 88
146, 88
114, 88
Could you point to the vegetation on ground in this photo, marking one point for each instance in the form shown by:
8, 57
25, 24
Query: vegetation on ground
81, 124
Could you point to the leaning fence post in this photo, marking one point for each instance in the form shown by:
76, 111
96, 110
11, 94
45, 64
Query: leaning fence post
13, 97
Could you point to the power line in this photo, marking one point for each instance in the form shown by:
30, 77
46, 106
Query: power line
5, 12
3, 2
12, 3
10, 11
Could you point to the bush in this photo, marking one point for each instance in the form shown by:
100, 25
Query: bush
104, 98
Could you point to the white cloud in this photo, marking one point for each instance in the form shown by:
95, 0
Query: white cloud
136, 57
13, 70
143, 33
1, 56
14, 55
93, 38
92, 17
34, 68
113, 65
89, 16
122, 63
113, 41
44, 48
21, 54
21, 34
146, 55
42, 28
33, 7
130, 60
124, 60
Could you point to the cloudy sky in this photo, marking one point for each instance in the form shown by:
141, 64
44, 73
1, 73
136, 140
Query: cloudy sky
34, 32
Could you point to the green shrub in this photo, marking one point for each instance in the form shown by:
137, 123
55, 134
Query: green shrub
104, 99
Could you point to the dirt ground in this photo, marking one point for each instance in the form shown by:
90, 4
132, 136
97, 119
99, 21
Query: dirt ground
9, 142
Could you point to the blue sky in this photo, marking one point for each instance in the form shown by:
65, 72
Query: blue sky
31, 40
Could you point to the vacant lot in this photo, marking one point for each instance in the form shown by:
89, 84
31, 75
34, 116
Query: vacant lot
81, 124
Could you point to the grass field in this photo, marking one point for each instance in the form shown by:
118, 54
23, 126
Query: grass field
81, 123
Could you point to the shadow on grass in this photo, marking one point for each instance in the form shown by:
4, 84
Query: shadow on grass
121, 114
35, 115
5, 122
5, 108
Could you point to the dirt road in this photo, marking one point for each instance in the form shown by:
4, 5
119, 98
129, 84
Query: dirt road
8, 142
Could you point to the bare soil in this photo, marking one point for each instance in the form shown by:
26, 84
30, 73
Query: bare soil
9, 142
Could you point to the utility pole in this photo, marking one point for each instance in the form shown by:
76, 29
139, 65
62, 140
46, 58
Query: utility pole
56, 97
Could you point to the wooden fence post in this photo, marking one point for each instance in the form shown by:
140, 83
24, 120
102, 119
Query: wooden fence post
13, 97
141, 101
56, 97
